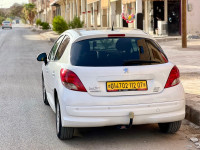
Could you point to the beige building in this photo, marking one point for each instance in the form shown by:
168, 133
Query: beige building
161, 17
193, 19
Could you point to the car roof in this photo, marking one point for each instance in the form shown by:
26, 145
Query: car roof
81, 34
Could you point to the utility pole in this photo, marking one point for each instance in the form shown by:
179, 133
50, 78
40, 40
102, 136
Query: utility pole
184, 23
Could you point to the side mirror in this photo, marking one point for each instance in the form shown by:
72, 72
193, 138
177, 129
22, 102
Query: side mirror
42, 57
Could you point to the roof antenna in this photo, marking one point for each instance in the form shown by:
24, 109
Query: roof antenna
112, 26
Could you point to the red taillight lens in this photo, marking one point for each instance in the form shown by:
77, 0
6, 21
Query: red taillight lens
71, 81
173, 78
10, 24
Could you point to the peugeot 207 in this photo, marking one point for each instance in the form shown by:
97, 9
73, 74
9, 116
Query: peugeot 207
105, 78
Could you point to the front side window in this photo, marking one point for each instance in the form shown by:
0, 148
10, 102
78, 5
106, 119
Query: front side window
116, 52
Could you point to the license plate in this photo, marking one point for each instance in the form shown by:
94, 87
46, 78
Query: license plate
126, 86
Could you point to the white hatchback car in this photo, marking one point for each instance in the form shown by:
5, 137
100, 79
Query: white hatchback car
6, 24
105, 78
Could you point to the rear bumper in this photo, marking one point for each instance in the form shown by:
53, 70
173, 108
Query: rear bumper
73, 121
82, 110
124, 110
117, 115
6, 26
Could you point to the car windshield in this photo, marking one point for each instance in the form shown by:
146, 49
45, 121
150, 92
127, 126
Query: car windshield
102, 52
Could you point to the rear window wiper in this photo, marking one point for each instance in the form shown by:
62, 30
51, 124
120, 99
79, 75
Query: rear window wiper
135, 62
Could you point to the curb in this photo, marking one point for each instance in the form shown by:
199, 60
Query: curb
50, 39
192, 112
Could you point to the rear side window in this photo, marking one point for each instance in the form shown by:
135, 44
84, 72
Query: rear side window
54, 48
62, 48
126, 51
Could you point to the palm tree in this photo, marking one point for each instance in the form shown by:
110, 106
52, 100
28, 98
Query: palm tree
29, 11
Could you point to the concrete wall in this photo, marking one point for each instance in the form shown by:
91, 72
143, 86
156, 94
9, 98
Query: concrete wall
193, 17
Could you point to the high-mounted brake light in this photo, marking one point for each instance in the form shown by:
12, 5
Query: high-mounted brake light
173, 78
116, 35
71, 81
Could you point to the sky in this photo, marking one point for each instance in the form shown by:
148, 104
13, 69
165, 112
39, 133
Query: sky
8, 3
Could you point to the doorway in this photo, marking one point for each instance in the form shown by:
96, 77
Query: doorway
174, 18
158, 11
125, 24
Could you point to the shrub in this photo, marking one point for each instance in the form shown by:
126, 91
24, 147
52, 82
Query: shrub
59, 24
45, 25
9, 19
38, 22
1, 20
76, 23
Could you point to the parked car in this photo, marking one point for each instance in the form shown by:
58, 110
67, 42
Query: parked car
106, 78
6, 24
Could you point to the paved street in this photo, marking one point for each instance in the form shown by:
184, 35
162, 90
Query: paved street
26, 123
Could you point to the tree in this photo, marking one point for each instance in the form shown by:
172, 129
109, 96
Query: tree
16, 10
29, 11
1, 20
4, 12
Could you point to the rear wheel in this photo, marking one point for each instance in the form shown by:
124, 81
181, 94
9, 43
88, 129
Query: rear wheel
171, 127
44, 93
63, 133
2, 28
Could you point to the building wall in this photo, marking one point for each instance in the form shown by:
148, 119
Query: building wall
104, 10
193, 19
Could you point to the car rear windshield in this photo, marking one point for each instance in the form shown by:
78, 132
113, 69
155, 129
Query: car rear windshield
102, 52
6, 22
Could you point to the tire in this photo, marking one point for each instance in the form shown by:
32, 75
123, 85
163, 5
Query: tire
10, 28
2, 28
171, 127
44, 94
63, 133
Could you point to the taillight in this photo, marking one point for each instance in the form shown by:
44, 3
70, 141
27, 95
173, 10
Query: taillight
173, 78
10, 24
71, 81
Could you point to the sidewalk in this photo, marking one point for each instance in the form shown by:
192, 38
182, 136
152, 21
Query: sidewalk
49, 35
187, 60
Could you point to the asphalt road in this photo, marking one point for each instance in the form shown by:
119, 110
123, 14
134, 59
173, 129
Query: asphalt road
27, 124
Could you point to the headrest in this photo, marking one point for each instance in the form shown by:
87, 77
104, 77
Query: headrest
124, 44
83, 46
